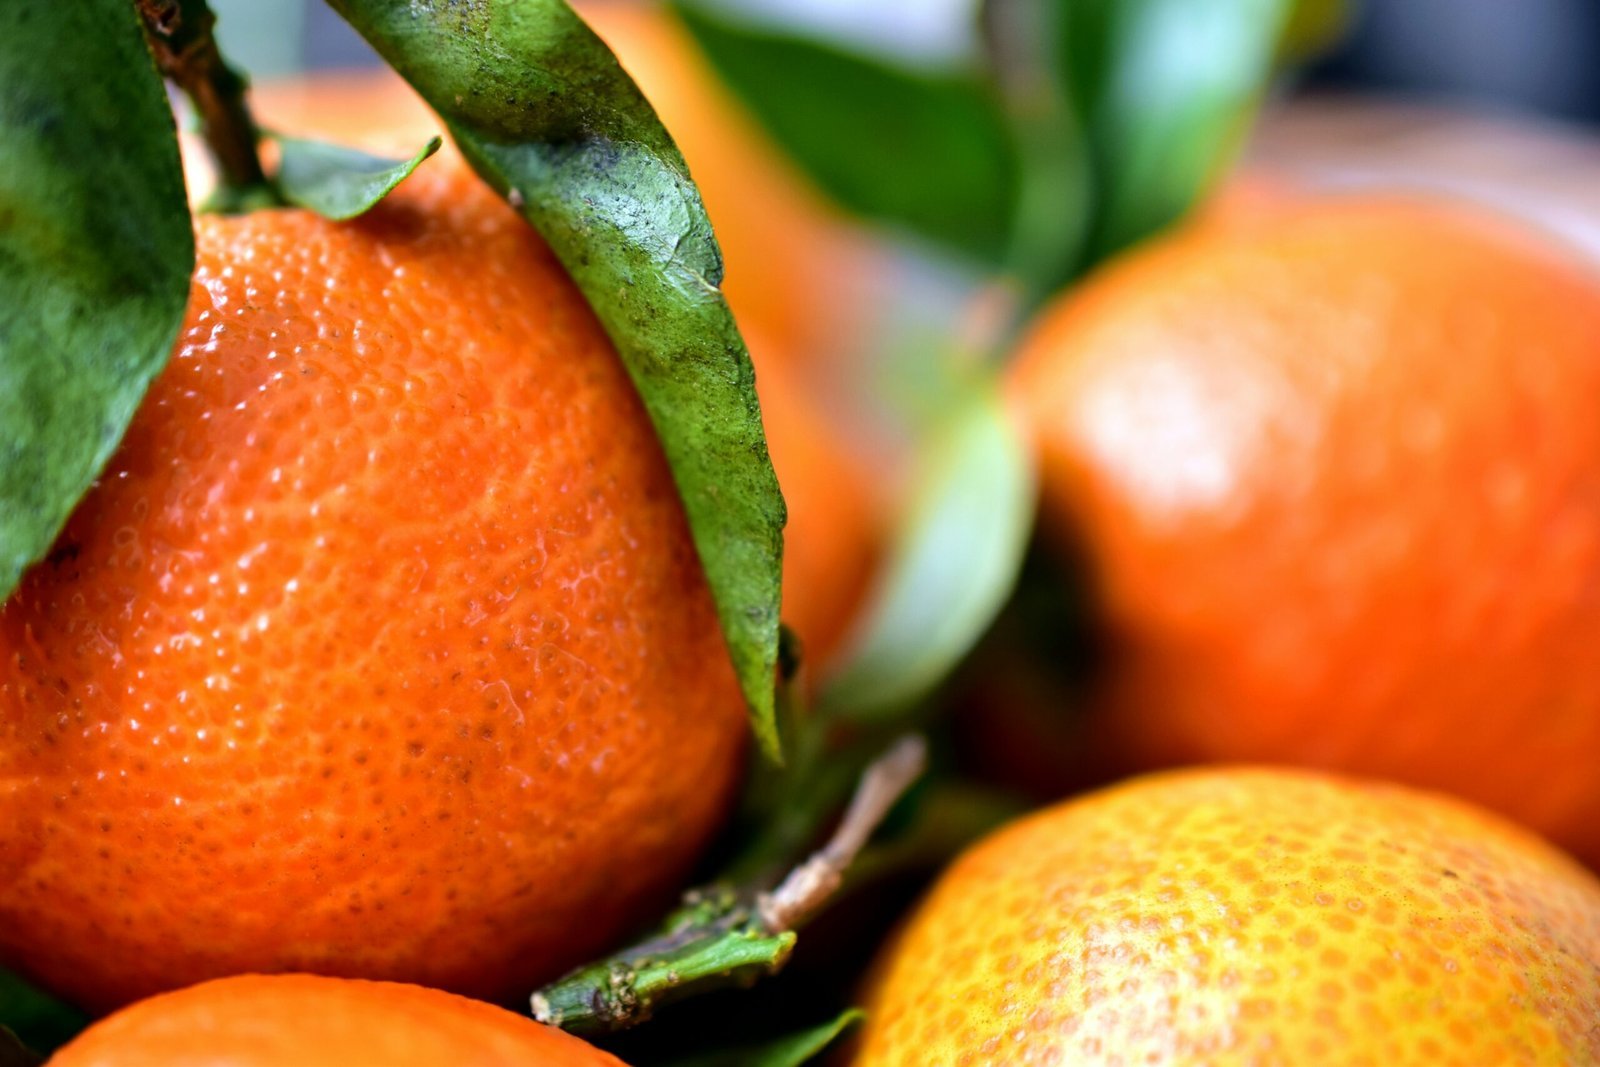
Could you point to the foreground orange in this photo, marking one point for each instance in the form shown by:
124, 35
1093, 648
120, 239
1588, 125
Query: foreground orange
302, 1021
381, 648
1247, 917
793, 274
1335, 476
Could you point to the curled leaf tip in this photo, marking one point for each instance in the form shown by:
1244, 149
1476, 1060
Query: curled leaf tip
337, 182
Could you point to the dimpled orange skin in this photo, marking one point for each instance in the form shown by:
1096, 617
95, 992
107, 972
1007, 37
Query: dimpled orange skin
380, 649
1335, 475
789, 262
1247, 916
795, 265
304, 1021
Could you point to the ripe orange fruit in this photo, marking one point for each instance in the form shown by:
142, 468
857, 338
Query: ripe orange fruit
1247, 917
1336, 477
298, 1020
792, 267
380, 649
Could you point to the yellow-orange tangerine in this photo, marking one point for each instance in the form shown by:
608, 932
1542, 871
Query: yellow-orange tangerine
1241, 916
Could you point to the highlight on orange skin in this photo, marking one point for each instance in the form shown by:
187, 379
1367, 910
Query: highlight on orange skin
1334, 479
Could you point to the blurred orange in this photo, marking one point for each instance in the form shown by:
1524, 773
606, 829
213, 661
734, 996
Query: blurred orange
1335, 475
300, 1021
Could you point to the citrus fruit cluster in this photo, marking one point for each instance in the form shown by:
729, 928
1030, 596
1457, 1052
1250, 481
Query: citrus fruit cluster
378, 671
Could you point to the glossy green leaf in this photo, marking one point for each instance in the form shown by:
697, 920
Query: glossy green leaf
542, 110
792, 1050
340, 183
95, 254
929, 152
955, 562
1165, 90
38, 1020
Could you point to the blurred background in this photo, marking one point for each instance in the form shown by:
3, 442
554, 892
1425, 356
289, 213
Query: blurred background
1527, 56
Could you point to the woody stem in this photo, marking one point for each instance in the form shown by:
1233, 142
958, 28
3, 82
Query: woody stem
181, 36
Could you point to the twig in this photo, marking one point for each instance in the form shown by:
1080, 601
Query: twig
185, 48
723, 936
809, 885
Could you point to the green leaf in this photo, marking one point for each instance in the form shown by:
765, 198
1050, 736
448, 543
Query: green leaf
929, 152
1166, 91
713, 940
340, 183
542, 110
1055, 183
95, 254
793, 1050
957, 558
39, 1021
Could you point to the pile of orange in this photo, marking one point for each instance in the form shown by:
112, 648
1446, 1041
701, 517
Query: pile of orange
1330, 466
380, 656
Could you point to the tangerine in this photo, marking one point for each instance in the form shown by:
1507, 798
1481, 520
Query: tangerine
1334, 474
380, 648
778, 241
296, 1020
1246, 916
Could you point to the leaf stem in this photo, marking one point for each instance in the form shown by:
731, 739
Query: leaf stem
181, 36
727, 936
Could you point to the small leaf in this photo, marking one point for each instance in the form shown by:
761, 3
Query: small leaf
37, 1020
929, 152
956, 561
340, 183
541, 109
1167, 89
793, 1050
95, 254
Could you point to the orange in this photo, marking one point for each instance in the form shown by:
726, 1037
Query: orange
303, 1021
380, 649
1335, 475
792, 266
830, 543
1247, 917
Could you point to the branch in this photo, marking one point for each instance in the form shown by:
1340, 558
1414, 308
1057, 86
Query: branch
724, 937
185, 48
